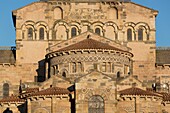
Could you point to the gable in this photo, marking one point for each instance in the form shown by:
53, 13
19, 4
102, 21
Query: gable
55, 81
95, 80
129, 82
33, 12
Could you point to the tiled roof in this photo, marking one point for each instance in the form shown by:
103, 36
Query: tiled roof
163, 56
28, 91
89, 44
31, 90
166, 96
137, 91
51, 91
12, 98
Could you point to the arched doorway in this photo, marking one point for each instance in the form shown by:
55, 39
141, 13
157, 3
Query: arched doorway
96, 104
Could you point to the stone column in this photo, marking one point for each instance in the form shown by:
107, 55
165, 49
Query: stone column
46, 71
53, 104
1, 109
137, 105
50, 34
67, 31
28, 106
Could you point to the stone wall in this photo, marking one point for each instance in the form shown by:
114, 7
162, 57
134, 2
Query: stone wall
13, 74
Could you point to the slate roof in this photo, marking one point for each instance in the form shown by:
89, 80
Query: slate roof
12, 98
137, 92
7, 56
89, 44
163, 56
51, 91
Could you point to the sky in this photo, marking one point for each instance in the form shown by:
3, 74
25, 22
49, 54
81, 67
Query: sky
7, 30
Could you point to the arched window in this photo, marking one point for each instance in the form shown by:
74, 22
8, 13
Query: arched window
73, 32
41, 33
64, 74
129, 34
118, 74
97, 31
96, 104
5, 90
30, 33
140, 34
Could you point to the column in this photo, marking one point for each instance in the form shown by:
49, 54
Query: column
53, 104
137, 105
28, 106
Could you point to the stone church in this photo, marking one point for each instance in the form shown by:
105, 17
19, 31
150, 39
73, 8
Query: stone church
84, 56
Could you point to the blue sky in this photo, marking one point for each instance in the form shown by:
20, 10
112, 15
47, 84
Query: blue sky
7, 30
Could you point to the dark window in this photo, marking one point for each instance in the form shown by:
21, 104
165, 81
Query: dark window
129, 35
73, 32
97, 31
140, 34
30, 33
118, 74
5, 90
41, 33
64, 74
96, 104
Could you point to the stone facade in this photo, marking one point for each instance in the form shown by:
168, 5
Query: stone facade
84, 57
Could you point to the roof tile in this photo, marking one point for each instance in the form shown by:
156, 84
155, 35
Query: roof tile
51, 91
12, 98
89, 44
137, 91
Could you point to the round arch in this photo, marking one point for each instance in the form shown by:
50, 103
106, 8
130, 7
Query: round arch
60, 30
96, 104
25, 30
41, 110
146, 30
40, 25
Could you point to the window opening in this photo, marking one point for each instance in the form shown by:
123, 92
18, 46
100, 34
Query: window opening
73, 32
41, 33
129, 35
97, 31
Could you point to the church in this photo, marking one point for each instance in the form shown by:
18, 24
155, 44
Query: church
85, 56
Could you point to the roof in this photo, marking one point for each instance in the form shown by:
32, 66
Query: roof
51, 91
12, 98
137, 91
7, 56
166, 96
31, 90
163, 56
89, 44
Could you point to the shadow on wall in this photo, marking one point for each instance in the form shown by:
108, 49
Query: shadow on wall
22, 108
8, 111
40, 71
